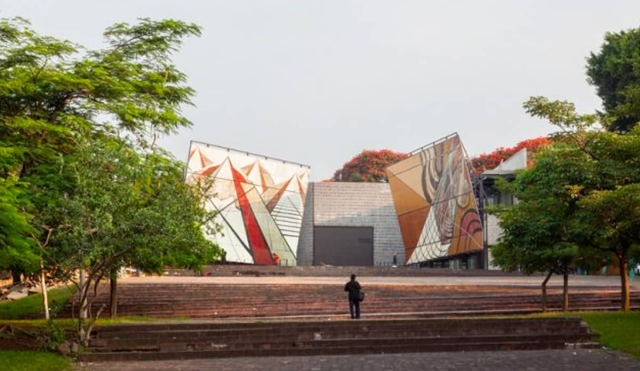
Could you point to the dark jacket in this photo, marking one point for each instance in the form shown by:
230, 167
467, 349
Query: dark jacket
353, 287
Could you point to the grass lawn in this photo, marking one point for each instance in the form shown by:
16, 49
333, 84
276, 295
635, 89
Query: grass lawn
31, 306
36, 361
618, 330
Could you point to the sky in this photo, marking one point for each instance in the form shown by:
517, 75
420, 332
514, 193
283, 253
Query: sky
317, 82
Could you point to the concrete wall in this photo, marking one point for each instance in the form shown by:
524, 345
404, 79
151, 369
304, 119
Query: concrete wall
352, 205
305, 242
493, 230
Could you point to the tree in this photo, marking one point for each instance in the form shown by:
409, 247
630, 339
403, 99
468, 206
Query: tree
127, 207
50, 94
606, 217
617, 215
80, 128
615, 72
488, 161
368, 166
538, 232
167, 228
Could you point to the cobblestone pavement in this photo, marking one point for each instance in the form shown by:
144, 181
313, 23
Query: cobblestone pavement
547, 360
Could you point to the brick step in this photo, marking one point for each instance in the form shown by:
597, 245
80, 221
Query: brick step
320, 301
298, 333
266, 311
209, 339
217, 301
369, 303
267, 341
353, 348
424, 314
375, 341
247, 325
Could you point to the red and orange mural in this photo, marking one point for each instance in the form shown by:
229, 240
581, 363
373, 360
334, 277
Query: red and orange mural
435, 203
259, 200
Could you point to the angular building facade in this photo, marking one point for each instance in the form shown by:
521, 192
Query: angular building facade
426, 213
435, 202
259, 201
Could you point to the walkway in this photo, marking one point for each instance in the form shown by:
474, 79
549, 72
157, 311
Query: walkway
611, 282
547, 360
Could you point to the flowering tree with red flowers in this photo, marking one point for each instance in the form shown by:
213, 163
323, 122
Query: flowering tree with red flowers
488, 161
368, 166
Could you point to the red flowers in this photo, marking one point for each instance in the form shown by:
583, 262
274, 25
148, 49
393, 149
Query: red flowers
368, 166
487, 161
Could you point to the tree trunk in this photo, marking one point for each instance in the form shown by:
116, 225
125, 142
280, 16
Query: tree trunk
16, 276
82, 304
544, 291
624, 280
83, 308
565, 288
45, 294
113, 302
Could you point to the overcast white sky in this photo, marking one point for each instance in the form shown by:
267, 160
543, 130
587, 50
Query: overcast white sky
316, 82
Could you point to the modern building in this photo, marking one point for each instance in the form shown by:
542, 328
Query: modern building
489, 194
259, 200
426, 215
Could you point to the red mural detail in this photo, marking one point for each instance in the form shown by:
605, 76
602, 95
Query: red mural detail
274, 200
204, 161
210, 170
257, 243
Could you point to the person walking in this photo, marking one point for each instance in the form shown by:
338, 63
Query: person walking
353, 288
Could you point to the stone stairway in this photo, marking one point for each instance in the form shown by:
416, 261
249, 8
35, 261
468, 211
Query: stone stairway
298, 338
206, 300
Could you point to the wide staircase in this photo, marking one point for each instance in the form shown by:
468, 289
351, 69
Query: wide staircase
299, 338
211, 301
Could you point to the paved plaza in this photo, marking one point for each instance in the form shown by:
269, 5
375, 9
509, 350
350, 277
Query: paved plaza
610, 282
543, 360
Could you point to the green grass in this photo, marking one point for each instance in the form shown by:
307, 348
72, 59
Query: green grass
70, 323
31, 306
618, 330
36, 361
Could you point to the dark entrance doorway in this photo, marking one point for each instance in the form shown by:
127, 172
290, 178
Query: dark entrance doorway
343, 246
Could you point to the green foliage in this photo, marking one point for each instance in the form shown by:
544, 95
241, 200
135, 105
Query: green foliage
31, 306
33, 361
128, 208
600, 193
615, 72
51, 336
368, 166
55, 93
617, 212
538, 231
16, 246
78, 140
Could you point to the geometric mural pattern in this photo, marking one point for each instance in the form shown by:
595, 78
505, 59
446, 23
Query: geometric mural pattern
435, 203
259, 202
